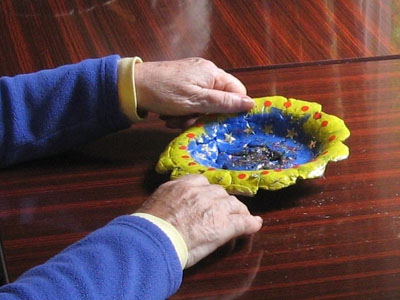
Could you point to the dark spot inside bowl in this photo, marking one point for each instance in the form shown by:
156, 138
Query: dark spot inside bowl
272, 140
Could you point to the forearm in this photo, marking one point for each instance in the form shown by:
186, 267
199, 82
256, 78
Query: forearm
54, 110
130, 258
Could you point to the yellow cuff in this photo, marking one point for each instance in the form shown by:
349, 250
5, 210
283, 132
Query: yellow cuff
126, 87
173, 234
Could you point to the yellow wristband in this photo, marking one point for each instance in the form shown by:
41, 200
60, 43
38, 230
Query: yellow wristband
173, 234
126, 88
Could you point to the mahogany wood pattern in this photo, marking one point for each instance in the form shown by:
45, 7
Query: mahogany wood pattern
232, 33
337, 237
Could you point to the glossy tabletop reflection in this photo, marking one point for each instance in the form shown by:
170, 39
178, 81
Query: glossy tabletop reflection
233, 34
336, 237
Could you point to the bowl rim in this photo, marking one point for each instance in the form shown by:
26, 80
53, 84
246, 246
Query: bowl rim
329, 130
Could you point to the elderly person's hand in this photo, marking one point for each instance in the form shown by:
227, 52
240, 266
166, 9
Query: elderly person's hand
187, 87
206, 215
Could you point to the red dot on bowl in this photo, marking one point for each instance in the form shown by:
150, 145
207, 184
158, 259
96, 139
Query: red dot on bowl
305, 108
264, 172
185, 156
211, 169
267, 103
278, 170
324, 123
192, 163
317, 116
242, 176
183, 147
332, 137
287, 104
296, 166
325, 152
190, 135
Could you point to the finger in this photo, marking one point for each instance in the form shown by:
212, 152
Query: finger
245, 224
189, 123
229, 83
194, 179
217, 101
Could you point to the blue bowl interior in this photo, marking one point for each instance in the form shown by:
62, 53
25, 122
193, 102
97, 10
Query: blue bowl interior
255, 142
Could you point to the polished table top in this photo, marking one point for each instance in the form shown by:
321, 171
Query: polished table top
336, 237
232, 33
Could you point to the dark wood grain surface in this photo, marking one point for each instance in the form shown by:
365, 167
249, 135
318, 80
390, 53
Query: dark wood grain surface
336, 237
234, 34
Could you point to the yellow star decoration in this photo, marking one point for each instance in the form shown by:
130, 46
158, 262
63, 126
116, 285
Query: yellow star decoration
291, 133
229, 138
249, 130
268, 129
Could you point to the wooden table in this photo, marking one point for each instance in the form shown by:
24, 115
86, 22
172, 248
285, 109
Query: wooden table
337, 237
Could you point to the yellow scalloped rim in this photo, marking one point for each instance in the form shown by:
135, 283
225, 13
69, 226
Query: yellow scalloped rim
329, 130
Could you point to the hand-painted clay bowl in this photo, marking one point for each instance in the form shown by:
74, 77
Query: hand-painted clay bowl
279, 141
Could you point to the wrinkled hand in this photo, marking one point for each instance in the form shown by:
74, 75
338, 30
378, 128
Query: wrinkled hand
188, 86
205, 214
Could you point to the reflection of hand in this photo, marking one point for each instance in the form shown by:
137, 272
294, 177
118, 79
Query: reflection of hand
182, 122
205, 215
253, 264
188, 86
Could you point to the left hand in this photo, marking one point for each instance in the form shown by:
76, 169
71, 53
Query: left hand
205, 215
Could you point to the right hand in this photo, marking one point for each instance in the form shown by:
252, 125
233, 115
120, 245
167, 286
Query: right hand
179, 90
205, 214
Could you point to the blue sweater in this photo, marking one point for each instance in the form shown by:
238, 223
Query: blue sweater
52, 111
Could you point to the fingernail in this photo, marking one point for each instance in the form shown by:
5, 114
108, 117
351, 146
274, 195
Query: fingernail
248, 100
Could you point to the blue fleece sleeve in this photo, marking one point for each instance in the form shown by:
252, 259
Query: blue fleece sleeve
51, 111
130, 258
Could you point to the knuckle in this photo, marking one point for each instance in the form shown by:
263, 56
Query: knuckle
207, 64
197, 60
237, 206
242, 207
226, 99
234, 199
182, 187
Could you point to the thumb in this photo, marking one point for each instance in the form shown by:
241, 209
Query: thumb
217, 101
244, 224
228, 83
